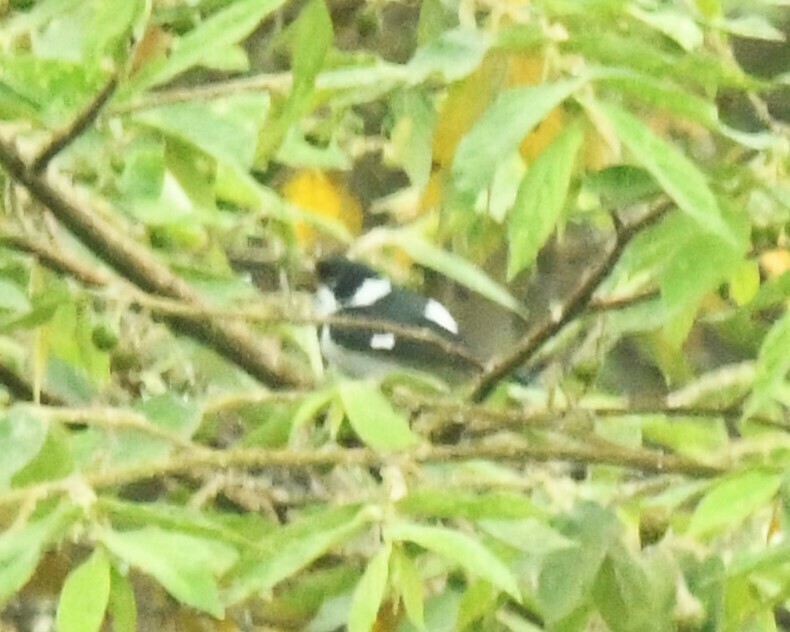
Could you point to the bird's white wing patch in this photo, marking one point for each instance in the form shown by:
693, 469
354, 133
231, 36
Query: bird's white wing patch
382, 341
325, 303
369, 292
437, 313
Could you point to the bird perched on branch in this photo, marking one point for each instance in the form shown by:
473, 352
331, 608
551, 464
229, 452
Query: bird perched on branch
378, 327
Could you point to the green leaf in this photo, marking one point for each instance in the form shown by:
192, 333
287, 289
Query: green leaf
223, 29
22, 436
307, 409
761, 559
700, 263
312, 38
500, 130
541, 200
479, 599
773, 291
199, 522
225, 129
293, 547
678, 176
621, 185
636, 594
773, 365
745, 282
666, 95
63, 37
752, 26
369, 592
528, 535
296, 151
83, 599
451, 56
12, 298
407, 582
448, 503
460, 548
185, 565
53, 461
21, 548
16, 570
42, 310
412, 135
373, 418
435, 18
144, 169
734, 499
174, 413
38, 15
454, 267
567, 575
122, 606
114, 23
57, 88
674, 23
701, 439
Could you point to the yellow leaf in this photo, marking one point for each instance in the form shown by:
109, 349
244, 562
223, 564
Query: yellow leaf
465, 102
529, 70
775, 262
542, 136
324, 195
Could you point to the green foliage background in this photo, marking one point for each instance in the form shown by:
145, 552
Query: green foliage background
170, 449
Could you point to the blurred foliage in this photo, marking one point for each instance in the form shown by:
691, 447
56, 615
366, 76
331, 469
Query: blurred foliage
641, 483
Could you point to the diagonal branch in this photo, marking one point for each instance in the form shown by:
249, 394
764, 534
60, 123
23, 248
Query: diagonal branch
20, 389
67, 135
231, 338
502, 366
511, 451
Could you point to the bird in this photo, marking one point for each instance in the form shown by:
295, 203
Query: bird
396, 328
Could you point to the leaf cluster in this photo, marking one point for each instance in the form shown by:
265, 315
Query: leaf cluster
167, 428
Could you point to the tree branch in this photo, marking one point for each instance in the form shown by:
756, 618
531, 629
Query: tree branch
64, 137
519, 452
110, 419
230, 338
500, 367
56, 260
20, 389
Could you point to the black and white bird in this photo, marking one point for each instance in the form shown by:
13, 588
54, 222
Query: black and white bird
422, 334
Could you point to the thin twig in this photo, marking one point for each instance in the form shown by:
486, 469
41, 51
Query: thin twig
20, 389
58, 261
267, 313
477, 418
277, 82
110, 419
621, 302
504, 365
514, 451
64, 137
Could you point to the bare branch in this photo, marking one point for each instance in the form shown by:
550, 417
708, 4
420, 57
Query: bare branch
621, 302
110, 419
20, 389
502, 366
514, 451
64, 137
58, 261
277, 83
